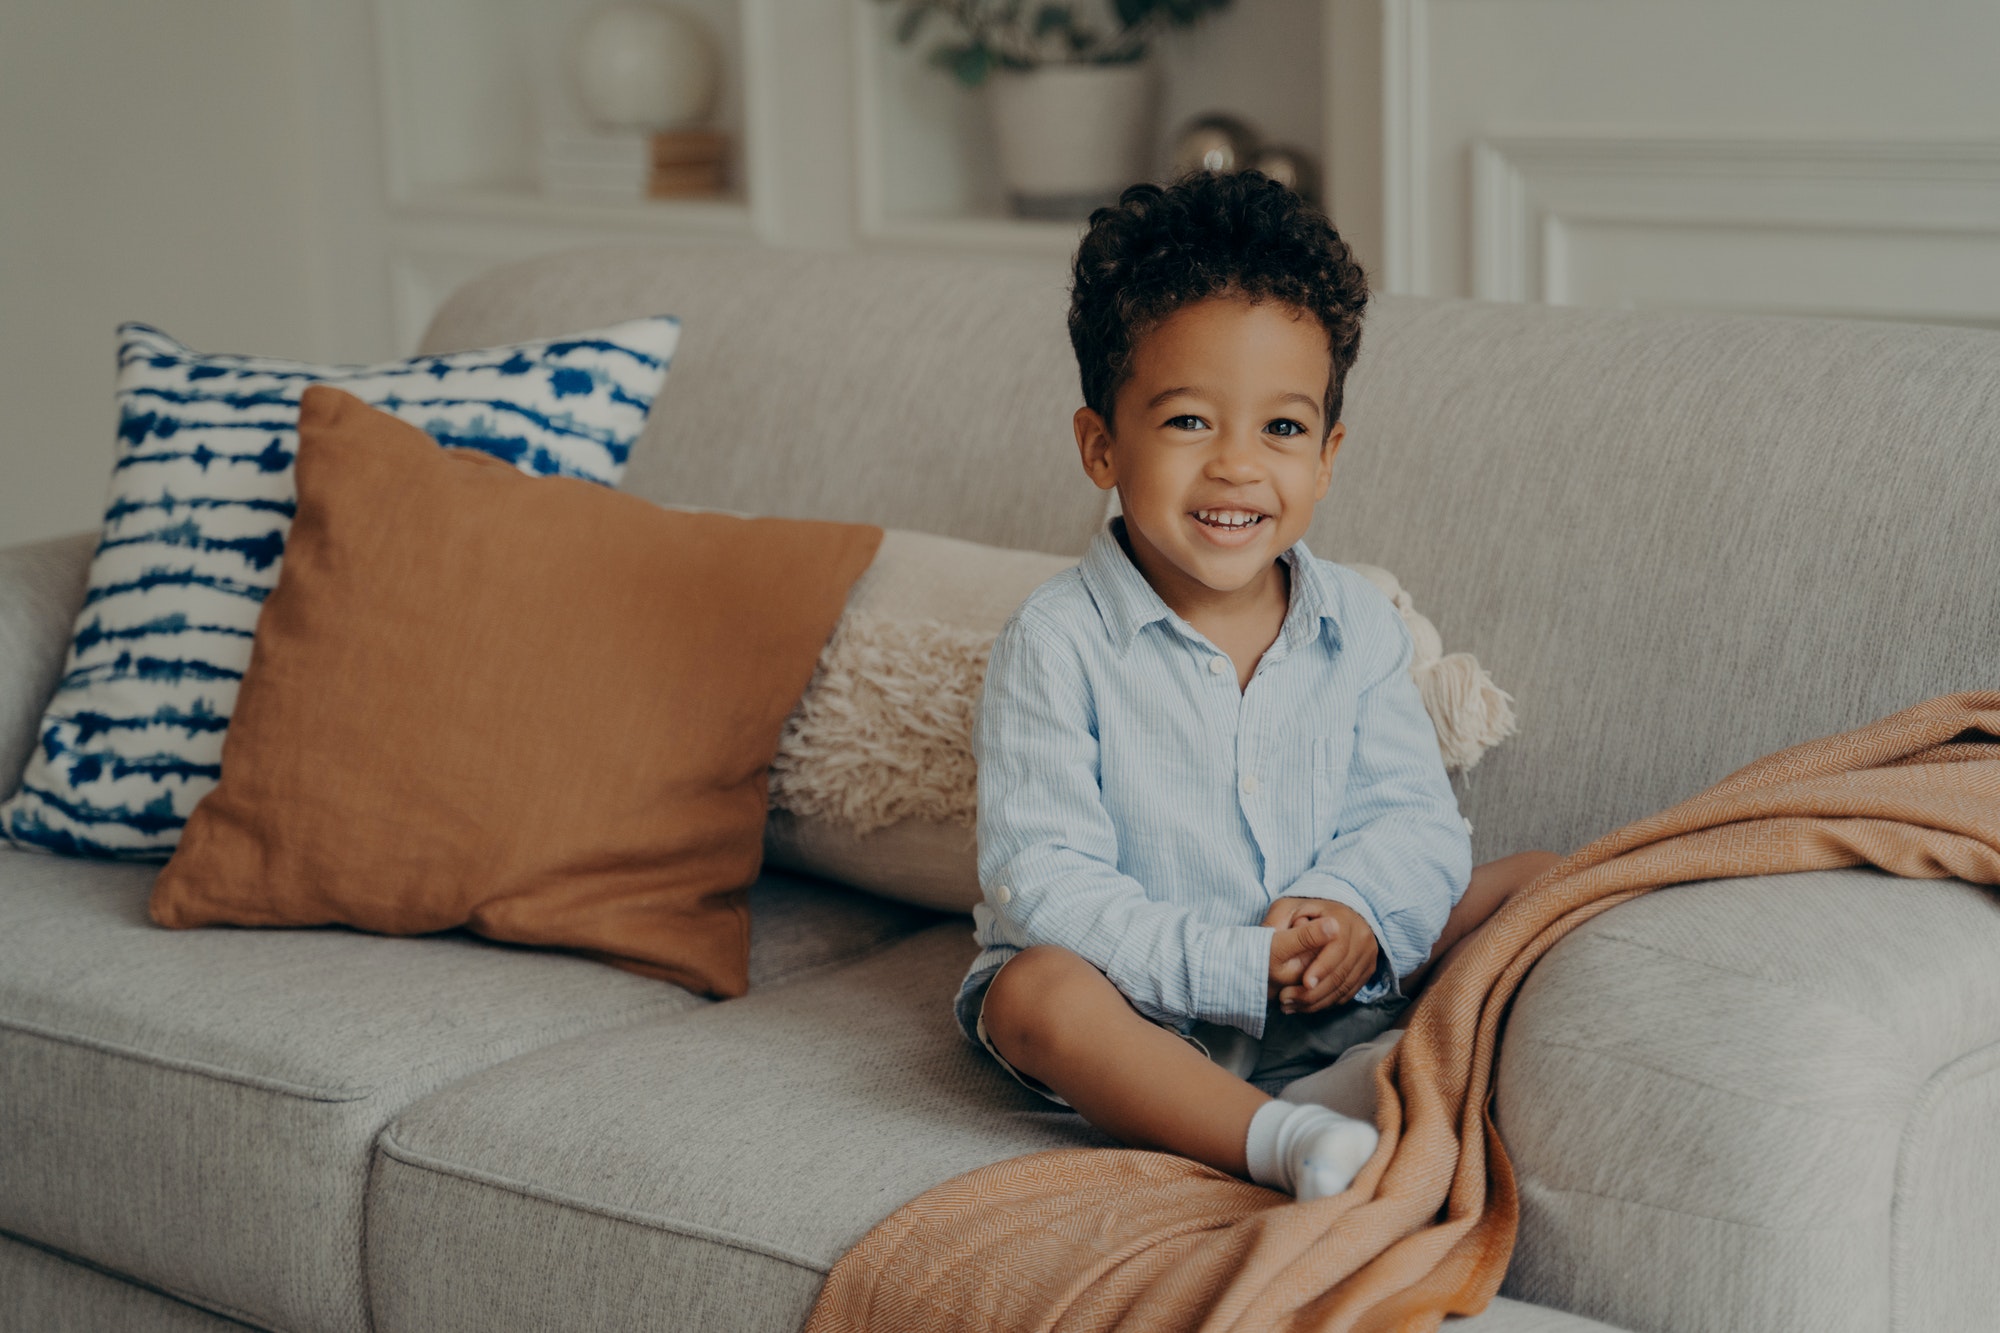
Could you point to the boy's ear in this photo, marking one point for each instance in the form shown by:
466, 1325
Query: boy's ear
1093, 443
1327, 449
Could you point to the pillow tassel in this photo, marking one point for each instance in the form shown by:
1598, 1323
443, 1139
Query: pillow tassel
1471, 713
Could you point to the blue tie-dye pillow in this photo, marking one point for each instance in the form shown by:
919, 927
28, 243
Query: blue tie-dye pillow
194, 531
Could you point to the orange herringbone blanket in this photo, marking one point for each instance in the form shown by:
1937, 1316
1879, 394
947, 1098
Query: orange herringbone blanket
1088, 1239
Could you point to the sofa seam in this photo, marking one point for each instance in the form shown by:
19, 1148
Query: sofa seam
1936, 1089
216, 1308
1861, 1014
340, 1095
1543, 1185
1526, 1039
623, 1018
301, 1091
651, 1221
306, 1092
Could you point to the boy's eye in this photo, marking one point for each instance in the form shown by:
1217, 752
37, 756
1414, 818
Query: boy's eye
1285, 426
1187, 421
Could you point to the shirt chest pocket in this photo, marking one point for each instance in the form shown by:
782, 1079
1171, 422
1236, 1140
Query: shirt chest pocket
1330, 755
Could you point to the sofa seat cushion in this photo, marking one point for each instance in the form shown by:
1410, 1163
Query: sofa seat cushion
1763, 1103
196, 1109
705, 1173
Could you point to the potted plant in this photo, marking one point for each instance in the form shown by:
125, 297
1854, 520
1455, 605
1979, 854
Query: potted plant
1068, 85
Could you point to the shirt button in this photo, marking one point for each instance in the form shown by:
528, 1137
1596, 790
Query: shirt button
1217, 665
1250, 784
1003, 895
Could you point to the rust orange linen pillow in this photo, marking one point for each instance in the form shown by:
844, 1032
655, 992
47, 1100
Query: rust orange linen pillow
531, 706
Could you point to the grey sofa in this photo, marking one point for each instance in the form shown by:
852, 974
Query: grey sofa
1680, 540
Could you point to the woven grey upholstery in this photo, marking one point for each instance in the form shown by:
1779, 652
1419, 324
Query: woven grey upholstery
1681, 541
197, 1108
1763, 1103
718, 1167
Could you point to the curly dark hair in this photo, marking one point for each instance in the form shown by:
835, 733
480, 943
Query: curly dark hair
1207, 234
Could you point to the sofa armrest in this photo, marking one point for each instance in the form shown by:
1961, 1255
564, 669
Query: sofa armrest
41, 590
1762, 1103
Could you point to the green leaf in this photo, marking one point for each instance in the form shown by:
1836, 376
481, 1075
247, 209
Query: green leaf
1132, 13
970, 63
1051, 18
1186, 13
911, 20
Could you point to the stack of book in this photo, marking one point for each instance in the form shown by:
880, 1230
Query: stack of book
669, 164
687, 164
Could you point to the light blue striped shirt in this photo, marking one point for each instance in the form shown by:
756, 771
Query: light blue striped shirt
1139, 810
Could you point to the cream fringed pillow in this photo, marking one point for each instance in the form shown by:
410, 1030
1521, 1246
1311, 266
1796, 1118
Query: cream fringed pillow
1470, 712
873, 784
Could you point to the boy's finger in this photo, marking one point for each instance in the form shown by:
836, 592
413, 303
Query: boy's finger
1293, 940
1340, 979
1315, 933
1319, 979
1356, 975
1339, 992
1324, 967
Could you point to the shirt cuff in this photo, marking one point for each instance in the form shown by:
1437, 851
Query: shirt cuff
1384, 983
1235, 972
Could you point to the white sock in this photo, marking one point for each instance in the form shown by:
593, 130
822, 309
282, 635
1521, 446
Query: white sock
1348, 1084
1307, 1151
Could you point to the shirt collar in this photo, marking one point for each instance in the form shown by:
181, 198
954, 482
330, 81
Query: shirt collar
1127, 603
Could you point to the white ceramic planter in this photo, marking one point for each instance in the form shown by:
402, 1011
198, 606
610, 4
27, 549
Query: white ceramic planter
1072, 136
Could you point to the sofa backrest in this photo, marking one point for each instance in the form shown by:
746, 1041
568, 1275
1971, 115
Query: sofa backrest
1680, 540
924, 394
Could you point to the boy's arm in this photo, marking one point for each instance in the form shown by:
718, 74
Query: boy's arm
1048, 851
1402, 857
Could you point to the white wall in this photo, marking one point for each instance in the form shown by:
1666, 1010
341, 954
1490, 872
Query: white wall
1807, 156
150, 168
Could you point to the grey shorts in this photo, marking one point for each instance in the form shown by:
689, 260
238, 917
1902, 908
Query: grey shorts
1293, 1045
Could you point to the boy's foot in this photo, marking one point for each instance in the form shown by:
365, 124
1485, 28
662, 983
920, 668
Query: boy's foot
1307, 1151
1333, 1155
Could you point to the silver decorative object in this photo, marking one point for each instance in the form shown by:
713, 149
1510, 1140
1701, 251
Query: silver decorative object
1214, 143
1291, 168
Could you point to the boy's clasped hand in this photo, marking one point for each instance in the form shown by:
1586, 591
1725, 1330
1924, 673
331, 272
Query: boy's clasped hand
1321, 954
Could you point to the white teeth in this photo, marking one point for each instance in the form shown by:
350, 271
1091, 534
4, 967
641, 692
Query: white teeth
1227, 518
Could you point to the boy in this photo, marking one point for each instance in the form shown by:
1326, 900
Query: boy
1215, 833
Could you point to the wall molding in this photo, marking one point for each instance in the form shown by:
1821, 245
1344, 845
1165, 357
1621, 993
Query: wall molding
1406, 63
1531, 194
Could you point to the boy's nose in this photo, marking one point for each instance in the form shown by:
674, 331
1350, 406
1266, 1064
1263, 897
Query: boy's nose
1235, 458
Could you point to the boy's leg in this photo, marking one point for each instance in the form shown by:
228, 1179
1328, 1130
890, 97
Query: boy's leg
1492, 884
1058, 1019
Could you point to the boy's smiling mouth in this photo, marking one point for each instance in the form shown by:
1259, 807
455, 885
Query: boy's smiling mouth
1229, 520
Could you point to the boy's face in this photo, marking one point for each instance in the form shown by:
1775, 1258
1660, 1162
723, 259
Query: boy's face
1221, 447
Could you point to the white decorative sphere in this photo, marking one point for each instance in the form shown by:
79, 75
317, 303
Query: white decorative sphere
645, 67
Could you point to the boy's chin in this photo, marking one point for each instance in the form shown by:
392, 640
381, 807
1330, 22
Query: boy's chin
1231, 574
